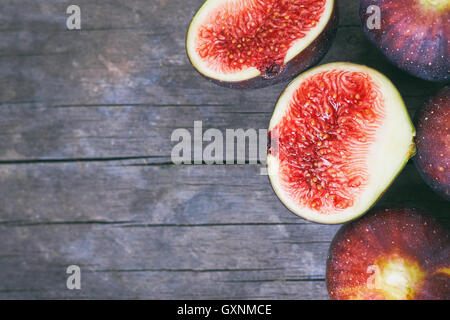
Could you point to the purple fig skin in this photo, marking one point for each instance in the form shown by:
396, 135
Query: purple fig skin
306, 59
414, 36
409, 233
433, 143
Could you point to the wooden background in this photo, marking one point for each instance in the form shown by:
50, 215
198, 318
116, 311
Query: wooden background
85, 172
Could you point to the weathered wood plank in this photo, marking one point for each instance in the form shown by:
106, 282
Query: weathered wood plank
35, 132
144, 64
135, 193
220, 261
107, 92
135, 235
85, 173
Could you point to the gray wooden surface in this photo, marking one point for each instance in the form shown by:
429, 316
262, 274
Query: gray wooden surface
85, 172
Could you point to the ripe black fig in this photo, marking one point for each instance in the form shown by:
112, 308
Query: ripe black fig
392, 254
413, 34
433, 143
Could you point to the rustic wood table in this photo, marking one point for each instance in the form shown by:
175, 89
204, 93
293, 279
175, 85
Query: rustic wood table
86, 176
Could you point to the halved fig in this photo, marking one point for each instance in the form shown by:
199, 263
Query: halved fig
412, 34
340, 134
391, 254
257, 43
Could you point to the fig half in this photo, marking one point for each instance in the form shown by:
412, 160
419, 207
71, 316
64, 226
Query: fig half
339, 136
257, 43
412, 34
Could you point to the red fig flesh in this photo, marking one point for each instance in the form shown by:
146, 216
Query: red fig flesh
255, 43
339, 135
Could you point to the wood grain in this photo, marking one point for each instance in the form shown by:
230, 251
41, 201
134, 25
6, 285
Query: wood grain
85, 172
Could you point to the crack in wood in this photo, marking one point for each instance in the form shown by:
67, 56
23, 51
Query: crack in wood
184, 270
210, 225
22, 223
72, 160
321, 279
